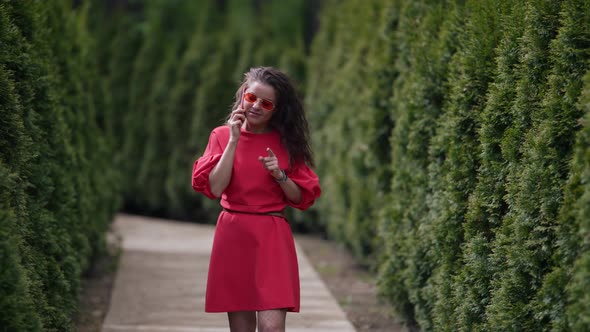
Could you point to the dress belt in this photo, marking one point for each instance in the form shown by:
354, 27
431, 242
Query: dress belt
270, 213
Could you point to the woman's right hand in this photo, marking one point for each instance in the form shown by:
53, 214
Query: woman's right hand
236, 120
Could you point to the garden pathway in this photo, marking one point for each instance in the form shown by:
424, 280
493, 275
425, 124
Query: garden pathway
161, 278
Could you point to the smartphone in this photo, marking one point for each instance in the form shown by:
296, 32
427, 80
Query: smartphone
242, 98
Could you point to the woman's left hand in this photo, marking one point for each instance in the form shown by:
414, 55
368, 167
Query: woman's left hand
271, 164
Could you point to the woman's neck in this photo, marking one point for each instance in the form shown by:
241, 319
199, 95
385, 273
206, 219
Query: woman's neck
256, 129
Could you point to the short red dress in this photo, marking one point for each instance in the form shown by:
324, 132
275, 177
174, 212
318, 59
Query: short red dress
253, 263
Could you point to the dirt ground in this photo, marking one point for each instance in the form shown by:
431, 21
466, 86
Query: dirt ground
353, 287
96, 293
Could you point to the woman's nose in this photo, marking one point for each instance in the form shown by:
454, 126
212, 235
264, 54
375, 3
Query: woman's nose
257, 103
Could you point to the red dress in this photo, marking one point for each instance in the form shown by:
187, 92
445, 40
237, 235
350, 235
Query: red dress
253, 262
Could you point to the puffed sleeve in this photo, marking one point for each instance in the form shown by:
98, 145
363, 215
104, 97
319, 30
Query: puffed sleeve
205, 164
309, 184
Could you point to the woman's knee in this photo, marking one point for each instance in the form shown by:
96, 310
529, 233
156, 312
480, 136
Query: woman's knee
271, 321
270, 327
242, 321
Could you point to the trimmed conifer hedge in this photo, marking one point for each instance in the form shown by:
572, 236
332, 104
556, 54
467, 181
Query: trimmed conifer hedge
58, 184
481, 226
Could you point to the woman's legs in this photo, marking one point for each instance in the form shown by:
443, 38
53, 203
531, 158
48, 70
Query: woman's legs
272, 320
242, 321
268, 321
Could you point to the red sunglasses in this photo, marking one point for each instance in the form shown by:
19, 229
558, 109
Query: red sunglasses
266, 104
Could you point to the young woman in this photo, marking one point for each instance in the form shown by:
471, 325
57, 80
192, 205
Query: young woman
258, 163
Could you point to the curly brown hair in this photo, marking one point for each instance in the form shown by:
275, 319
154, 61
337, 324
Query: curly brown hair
289, 115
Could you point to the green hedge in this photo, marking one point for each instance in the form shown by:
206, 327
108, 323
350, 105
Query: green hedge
481, 227
348, 101
58, 190
572, 259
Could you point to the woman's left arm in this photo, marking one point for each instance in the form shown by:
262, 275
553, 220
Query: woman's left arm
290, 188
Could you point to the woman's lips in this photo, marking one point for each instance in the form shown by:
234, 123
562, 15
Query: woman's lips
254, 113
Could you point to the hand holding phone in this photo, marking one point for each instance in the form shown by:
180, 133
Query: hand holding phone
236, 120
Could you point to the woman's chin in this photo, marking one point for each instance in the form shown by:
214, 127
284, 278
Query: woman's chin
255, 121
256, 126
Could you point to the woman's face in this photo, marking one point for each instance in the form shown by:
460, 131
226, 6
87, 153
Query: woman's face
259, 101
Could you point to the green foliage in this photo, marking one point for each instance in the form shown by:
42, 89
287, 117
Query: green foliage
16, 301
158, 132
475, 232
16, 304
358, 80
570, 56
426, 43
525, 240
37, 209
53, 217
188, 80
138, 115
455, 149
574, 242
486, 204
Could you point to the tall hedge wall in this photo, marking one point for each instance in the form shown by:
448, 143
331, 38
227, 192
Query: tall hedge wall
472, 211
58, 189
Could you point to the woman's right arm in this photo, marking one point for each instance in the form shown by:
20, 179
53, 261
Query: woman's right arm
221, 174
